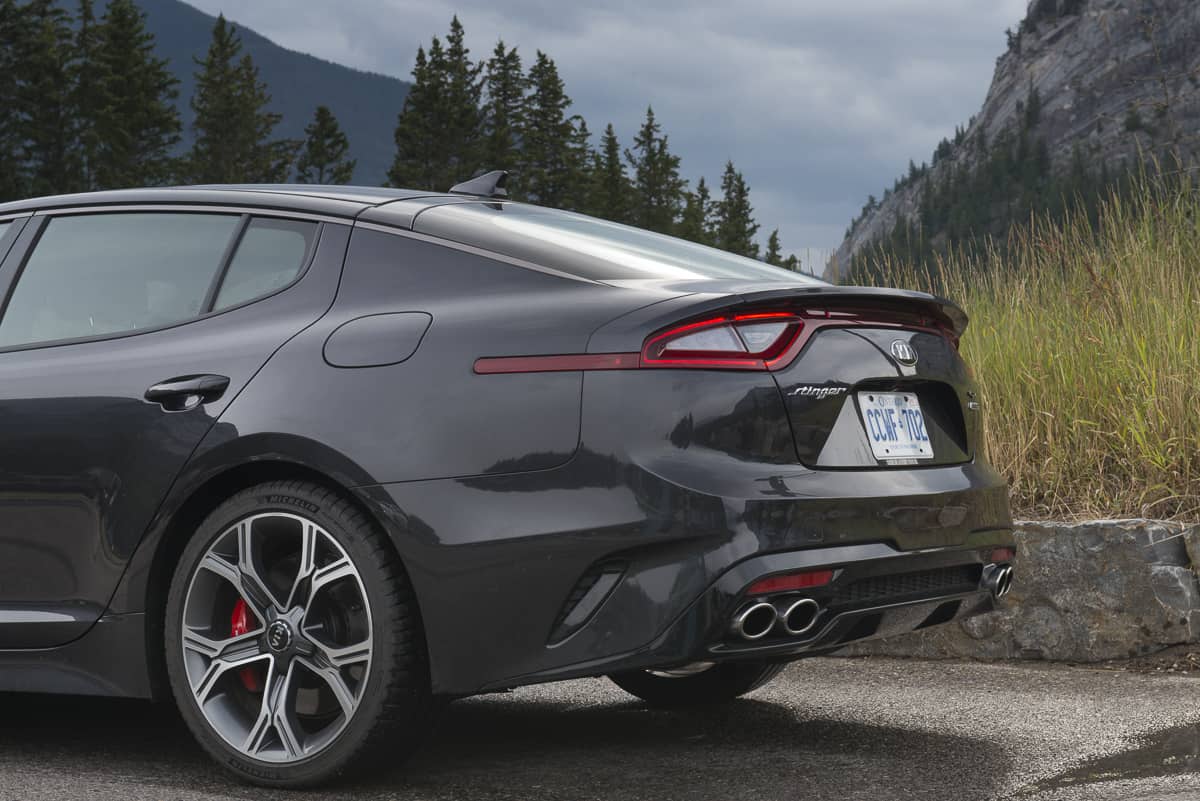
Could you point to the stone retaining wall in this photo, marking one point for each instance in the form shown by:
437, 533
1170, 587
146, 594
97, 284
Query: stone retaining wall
1083, 592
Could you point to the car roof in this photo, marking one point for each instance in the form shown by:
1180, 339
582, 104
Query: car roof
339, 201
466, 219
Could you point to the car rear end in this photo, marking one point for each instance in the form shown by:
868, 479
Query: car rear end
825, 447
790, 466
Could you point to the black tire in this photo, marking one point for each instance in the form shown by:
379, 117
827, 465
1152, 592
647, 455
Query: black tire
394, 706
716, 685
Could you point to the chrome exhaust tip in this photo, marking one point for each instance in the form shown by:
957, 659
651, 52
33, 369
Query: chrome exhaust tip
997, 579
800, 617
755, 621
1005, 581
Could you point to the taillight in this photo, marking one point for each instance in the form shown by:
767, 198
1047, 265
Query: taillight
735, 342
765, 340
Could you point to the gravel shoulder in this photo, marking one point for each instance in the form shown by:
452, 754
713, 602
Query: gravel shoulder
862, 728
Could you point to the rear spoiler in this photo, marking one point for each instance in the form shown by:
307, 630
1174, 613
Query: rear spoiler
899, 300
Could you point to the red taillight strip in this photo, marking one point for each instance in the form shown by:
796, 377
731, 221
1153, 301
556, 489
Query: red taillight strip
556, 364
707, 362
808, 322
762, 316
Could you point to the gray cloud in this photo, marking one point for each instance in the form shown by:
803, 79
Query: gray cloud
818, 103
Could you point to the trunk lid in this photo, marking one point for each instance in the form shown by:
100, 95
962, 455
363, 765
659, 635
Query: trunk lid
846, 360
831, 391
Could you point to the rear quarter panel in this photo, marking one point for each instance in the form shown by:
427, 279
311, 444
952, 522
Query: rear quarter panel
429, 415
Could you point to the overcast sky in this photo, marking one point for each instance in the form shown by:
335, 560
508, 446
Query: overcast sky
818, 102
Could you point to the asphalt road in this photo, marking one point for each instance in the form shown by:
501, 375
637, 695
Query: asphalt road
878, 729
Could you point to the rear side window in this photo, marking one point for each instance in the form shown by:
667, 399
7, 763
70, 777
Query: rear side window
4, 228
110, 273
269, 257
591, 248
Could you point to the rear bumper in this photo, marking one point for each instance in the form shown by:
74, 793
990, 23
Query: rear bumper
877, 592
498, 561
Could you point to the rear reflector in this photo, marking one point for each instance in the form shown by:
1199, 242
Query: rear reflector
1004, 555
791, 582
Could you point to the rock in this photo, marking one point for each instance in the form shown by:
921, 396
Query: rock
1083, 592
1094, 69
1191, 544
1175, 588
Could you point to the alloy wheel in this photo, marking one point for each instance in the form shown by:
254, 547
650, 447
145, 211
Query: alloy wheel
276, 637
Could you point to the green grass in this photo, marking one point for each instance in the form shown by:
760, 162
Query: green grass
1085, 338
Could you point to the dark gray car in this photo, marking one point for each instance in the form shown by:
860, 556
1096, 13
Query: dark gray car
307, 459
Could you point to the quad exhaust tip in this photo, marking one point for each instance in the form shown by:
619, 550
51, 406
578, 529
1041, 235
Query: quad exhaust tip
801, 616
755, 621
1004, 583
998, 579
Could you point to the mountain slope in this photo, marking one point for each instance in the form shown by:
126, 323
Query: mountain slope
1087, 88
365, 104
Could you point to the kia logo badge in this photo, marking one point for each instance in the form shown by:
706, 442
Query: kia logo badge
279, 635
904, 353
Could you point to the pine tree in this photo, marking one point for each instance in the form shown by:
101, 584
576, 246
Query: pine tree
774, 250
14, 33
438, 134
462, 118
88, 93
608, 186
233, 128
137, 126
504, 87
658, 193
694, 222
49, 147
549, 137
735, 225
323, 158
417, 162
576, 167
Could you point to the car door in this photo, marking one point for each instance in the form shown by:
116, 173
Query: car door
124, 334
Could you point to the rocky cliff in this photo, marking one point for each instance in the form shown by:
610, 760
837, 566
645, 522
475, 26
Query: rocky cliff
1094, 83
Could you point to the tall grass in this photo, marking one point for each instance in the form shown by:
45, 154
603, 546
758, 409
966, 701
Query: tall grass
1085, 338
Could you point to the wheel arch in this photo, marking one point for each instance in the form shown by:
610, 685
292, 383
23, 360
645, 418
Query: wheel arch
199, 502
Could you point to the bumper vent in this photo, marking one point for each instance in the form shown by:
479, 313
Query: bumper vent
877, 589
585, 598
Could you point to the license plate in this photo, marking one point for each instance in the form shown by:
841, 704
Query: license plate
895, 425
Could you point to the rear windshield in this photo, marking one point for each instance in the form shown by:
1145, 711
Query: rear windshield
590, 248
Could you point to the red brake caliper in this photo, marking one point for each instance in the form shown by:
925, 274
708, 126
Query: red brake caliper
239, 625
